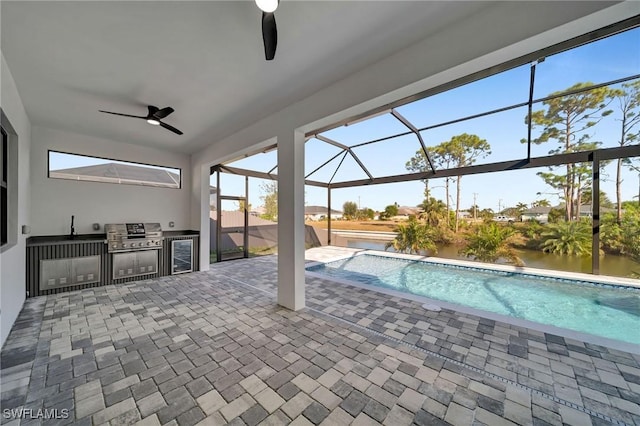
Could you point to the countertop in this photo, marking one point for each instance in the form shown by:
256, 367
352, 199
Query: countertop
65, 239
179, 233
90, 238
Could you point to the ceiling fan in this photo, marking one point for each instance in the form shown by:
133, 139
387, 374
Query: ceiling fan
153, 117
269, 29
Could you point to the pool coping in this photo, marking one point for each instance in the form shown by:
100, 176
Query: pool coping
519, 322
574, 276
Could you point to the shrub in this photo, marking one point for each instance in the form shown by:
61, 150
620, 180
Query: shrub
491, 243
413, 237
572, 237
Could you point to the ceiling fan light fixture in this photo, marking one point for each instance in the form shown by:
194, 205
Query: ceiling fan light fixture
268, 6
153, 117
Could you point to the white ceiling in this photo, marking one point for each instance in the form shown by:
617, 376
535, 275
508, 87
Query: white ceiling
203, 58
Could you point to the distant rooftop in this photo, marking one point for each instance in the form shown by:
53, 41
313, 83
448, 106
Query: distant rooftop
585, 208
120, 173
538, 210
408, 210
319, 210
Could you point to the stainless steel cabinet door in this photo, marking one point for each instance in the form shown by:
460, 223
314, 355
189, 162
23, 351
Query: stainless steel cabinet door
55, 273
86, 269
124, 265
147, 262
133, 264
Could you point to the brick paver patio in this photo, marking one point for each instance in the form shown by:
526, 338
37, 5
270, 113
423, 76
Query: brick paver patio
214, 348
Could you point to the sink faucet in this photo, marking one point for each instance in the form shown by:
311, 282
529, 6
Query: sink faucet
73, 230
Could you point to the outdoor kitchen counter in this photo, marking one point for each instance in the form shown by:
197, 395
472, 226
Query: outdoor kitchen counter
93, 248
48, 240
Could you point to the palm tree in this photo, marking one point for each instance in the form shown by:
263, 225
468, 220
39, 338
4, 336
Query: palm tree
490, 243
413, 237
434, 211
567, 237
542, 203
521, 208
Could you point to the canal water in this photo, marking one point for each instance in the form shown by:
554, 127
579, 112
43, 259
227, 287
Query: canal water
617, 266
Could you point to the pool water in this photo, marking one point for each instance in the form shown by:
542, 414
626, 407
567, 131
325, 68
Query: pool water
602, 310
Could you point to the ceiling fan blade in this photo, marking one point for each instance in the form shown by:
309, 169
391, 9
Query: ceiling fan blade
162, 113
269, 35
152, 111
123, 115
168, 127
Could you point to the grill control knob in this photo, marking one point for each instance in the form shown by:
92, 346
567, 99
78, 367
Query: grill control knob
148, 243
140, 244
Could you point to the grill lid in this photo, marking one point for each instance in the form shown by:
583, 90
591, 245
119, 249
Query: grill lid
133, 236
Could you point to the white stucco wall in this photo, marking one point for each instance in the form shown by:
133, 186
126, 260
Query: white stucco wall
55, 200
12, 261
503, 32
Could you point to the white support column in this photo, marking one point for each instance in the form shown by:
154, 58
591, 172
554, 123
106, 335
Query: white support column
201, 210
291, 231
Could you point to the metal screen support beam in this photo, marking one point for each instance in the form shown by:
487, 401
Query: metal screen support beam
338, 168
329, 216
416, 132
324, 164
364, 169
262, 175
498, 110
219, 218
344, 148
638, 188
513, 63
551, 160
532, 80
246, 217
595, 211
332, 142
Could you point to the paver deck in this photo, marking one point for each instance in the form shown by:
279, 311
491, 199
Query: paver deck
215, 348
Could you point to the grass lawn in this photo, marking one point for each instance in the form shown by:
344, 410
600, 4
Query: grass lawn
384, 225
352, 225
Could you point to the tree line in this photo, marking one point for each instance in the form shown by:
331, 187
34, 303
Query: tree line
492, 242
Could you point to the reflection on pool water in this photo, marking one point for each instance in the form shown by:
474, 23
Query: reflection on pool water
602, 310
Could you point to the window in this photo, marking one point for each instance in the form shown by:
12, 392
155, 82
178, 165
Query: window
4, 160
95, 169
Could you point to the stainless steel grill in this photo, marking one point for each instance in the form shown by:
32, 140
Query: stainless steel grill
134, 249
127, 237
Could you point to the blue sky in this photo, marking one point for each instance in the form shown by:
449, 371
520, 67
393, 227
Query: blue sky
605, 60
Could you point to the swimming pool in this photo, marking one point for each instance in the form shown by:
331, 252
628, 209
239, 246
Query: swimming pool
603, 310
